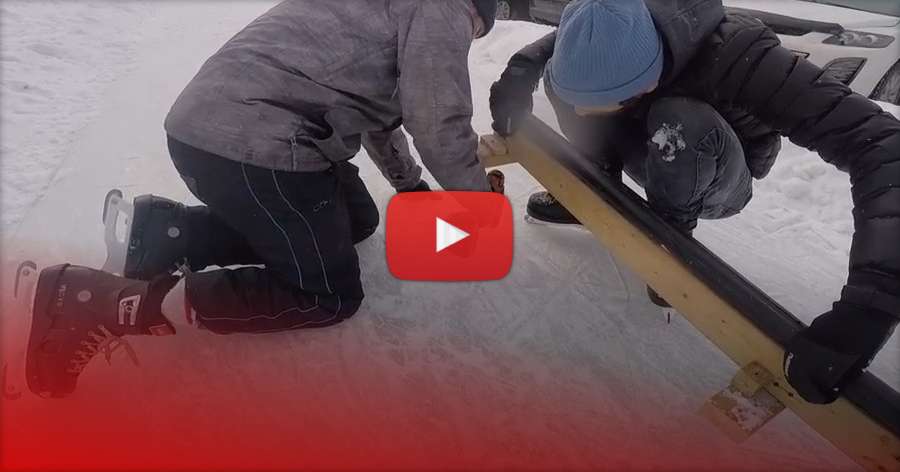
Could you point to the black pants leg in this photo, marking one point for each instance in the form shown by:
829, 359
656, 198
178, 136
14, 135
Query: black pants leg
302, 227
213, 242
694, 166
364, 217
686, 156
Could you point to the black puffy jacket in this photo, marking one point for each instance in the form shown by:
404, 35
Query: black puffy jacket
764, 91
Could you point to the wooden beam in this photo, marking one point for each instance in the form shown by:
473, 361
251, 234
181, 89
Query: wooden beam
664, 260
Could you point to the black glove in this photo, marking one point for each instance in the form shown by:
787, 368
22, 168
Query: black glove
511, 96
833, 351
761, 154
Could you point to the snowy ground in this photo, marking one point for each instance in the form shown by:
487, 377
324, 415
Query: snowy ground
562, 365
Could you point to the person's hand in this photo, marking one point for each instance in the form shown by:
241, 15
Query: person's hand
497, 181
511, 96
833, 351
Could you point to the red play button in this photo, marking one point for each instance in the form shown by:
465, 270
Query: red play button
449, 236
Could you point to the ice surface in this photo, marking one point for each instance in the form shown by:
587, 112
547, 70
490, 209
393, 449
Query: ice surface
57, 61
564, 364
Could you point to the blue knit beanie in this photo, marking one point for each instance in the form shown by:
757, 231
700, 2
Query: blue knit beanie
487, 9
607, 51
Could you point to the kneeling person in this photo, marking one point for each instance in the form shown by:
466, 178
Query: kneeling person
263, 136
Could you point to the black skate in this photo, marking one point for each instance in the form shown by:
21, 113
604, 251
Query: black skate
79, 312
545, 208
156, 236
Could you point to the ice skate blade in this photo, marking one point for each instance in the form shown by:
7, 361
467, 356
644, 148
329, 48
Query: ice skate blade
116, 248
532, 220
23, 298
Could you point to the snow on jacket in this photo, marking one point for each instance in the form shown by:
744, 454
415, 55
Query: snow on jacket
764, 91
299, 87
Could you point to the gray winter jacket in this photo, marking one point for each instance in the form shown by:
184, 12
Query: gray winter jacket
310, 80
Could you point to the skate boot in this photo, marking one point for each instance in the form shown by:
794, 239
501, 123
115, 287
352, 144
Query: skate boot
158, 239
80, 312
545, 208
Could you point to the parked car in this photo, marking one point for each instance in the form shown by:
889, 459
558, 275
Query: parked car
856, 41
544, 11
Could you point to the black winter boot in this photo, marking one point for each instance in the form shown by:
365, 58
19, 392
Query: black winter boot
79, 312
159, 237
544, 207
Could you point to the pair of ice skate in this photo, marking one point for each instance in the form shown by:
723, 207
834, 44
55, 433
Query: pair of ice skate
79, 312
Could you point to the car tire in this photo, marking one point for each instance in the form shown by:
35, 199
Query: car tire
512, 10
888, 89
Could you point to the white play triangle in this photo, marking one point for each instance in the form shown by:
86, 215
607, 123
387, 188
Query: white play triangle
448, 235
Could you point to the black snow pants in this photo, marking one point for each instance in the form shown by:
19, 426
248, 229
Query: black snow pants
686, 156
297, 229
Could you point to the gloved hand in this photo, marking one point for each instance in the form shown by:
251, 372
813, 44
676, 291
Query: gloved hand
511, 96
833, 351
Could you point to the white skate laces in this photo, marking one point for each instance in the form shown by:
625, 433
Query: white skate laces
104, 342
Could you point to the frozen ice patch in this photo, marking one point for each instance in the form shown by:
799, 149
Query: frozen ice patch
669, 140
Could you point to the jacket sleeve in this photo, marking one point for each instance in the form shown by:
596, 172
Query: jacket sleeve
536, 54
389, 150
747, 66
760, 142
435, 92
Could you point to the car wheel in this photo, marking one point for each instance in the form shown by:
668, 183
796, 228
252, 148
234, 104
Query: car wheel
512, 10
888, 89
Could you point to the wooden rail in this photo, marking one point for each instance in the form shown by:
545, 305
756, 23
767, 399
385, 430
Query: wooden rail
730, 311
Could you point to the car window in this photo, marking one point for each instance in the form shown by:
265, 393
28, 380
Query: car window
885, 7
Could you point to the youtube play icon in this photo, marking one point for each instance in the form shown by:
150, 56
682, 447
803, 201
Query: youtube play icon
449, 236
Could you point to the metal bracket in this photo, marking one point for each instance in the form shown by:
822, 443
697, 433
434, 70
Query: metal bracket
745, 405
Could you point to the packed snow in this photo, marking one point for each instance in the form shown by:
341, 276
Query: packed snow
564, 364
57, 61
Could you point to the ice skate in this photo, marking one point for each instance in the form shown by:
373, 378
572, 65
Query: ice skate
155, 235
78, 313
544, 208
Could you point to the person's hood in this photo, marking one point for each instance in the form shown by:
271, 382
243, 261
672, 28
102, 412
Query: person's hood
684, 25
